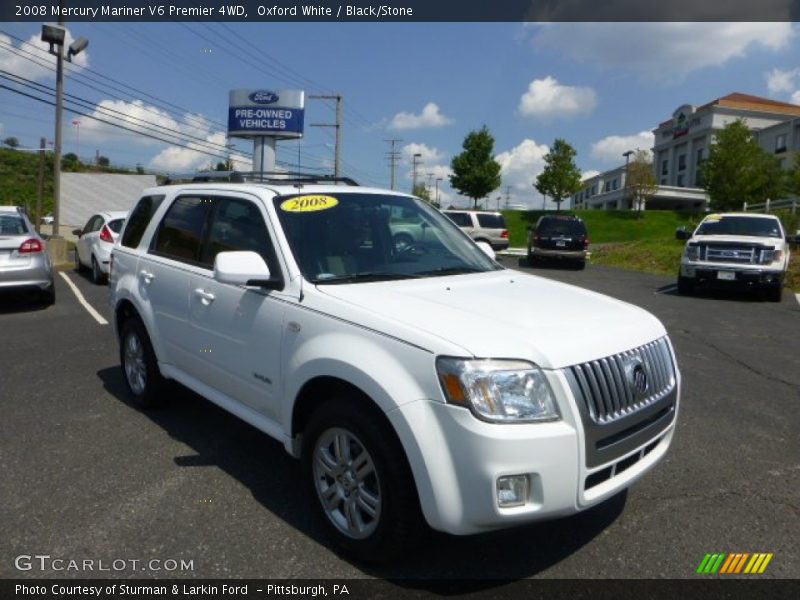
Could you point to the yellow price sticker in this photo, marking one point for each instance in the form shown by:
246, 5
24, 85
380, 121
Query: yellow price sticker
309, 203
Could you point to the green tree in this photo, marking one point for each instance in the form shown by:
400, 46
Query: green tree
421, 191
738, 170
793, 177
475, 171
561, 177
103, 161
640, 181
11, 142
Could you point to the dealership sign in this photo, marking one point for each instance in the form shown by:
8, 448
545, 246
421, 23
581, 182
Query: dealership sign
264, 112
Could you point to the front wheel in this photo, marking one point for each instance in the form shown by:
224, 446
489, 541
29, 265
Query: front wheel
775, 292
139, 366
685, 285
361, 480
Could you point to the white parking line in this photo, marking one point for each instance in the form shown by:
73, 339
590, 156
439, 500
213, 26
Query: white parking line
89, 308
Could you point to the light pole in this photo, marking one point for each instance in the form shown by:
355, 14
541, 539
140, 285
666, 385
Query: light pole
414, 164
438, 200
77, 125
627, 156
54, 35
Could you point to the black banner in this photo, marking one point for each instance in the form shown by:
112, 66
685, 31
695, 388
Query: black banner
364, 589
399, 10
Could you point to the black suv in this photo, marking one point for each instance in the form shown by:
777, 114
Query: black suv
558, 236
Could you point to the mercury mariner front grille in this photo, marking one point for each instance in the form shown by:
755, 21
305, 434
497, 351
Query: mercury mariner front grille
616, 386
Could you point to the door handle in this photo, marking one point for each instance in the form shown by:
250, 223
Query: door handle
146, 275
205, 297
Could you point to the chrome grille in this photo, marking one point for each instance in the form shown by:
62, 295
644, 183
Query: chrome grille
732, 255
606, 387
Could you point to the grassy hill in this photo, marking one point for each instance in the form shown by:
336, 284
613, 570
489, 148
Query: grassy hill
19, 172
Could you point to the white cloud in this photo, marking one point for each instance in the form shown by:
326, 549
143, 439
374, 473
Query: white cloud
176, 159
660, 50
796, 97
26, 60
429, 117
547, 98
140, 117
782, 81
589, 174
519, 168
430, 156
611, 148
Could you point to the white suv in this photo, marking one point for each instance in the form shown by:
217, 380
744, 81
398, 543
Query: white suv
418, 382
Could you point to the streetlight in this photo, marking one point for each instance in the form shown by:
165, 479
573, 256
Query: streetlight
414, 163
54, 35
627, 156
77, 125
438, 200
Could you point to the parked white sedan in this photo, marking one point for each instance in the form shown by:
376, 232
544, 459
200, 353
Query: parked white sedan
95, 240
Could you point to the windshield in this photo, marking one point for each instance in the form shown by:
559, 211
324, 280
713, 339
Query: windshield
756, 226
352, 237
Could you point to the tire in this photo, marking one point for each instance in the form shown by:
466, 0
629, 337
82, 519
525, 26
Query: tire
580, 265
139, 366
78, 264
97, 274
685, 285
384, 518
48, 296
532, 260
775, 293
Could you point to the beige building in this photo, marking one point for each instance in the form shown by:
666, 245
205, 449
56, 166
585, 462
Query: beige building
682, 143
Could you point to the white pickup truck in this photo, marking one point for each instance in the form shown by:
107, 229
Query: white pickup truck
735, 249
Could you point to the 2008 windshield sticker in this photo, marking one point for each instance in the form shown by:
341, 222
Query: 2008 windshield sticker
309, 203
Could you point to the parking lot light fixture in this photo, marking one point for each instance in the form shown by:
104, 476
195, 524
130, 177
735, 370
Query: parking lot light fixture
55, 36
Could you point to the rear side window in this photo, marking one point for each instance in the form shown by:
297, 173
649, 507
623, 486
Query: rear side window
116, 225
491, 221
180, 234
460, 219
12, 225
139, 219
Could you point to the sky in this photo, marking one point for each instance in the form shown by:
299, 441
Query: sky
603, 87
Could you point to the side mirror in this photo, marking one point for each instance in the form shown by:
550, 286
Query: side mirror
243, 268
77, 232
682, 233
487, 249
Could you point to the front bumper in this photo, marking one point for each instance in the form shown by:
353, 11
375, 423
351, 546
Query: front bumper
457, 459
732, 274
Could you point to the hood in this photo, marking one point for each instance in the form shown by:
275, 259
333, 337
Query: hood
503, 314
771, 242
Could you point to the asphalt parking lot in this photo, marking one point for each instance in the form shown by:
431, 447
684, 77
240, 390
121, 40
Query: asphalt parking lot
88, 476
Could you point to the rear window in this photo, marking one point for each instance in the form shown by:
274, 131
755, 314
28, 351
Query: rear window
115, 225
12, 225
139, 219
491, 221
561, 226
460, 219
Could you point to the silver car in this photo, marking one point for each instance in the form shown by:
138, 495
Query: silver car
482, 226
95, 240
24, 262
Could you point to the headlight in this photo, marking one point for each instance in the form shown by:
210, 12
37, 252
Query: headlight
692, 252
504, 391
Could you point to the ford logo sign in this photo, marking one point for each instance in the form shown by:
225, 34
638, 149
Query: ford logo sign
263, 97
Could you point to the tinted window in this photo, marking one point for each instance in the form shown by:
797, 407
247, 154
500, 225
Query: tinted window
116, 225
93, 224
237, 225
460, 219
12, 225
561, 227
181, 232
138, 220
491, 221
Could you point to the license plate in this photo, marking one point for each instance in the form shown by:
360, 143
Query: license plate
726, 275
561, 244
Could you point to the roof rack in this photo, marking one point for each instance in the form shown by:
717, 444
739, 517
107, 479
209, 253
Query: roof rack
279, 177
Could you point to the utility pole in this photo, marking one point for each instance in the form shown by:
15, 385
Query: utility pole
337, 161
40, 185
394, 156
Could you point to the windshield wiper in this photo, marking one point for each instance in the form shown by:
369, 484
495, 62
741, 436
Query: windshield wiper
366, 276
450, 271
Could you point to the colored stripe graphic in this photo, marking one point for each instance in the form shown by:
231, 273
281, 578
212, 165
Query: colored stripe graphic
733, 563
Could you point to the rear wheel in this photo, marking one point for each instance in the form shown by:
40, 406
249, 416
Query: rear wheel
685, 285
97, 274
48, 296
580, 265
139, 366
361, 480
78, 265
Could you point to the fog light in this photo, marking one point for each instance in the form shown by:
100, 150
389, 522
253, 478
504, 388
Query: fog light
512, 490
